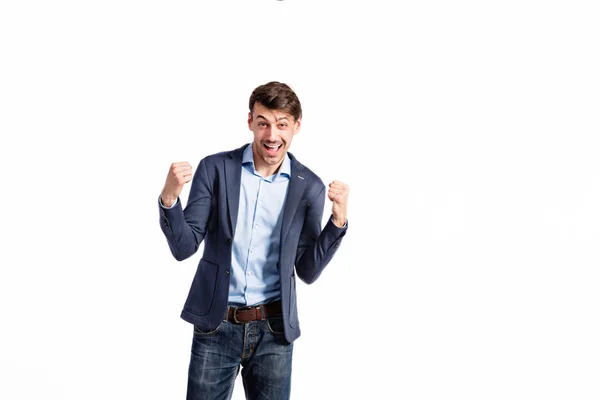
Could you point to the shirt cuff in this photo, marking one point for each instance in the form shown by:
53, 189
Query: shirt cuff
166, 208
342, 227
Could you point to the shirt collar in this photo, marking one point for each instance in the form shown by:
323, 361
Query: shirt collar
284, 169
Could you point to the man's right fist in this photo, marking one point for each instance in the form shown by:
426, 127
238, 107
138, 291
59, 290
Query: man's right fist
179, 174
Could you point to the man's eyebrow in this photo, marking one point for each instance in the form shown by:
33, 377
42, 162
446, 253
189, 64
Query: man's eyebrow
278, 119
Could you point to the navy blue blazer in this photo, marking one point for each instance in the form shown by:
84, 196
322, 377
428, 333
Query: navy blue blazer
211, 215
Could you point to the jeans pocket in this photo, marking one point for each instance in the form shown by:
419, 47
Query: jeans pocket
275, 325
206, 331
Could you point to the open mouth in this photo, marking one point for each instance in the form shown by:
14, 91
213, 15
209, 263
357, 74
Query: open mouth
272, 150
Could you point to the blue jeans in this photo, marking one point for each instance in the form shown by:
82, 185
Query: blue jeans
259, 347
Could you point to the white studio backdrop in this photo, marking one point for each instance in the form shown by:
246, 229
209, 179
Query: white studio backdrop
467, 132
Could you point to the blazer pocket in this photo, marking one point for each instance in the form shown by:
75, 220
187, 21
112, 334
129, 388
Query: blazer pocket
202, 292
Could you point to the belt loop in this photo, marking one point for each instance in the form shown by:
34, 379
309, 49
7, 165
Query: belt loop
261, 310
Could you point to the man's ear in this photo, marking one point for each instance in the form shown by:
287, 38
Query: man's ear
297, 125
250, 121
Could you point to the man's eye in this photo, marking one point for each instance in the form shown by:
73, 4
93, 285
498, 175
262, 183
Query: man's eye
282, 126
262, 124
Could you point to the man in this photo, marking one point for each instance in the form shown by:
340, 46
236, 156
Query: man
259, 212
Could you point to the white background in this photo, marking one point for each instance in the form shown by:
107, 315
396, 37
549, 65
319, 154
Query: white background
466, 130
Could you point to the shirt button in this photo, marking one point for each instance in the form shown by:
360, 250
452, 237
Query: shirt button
256, 226
249, 273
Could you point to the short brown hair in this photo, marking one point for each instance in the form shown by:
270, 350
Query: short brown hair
277, 96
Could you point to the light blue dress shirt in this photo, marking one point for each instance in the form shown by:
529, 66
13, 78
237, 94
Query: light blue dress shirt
256, 243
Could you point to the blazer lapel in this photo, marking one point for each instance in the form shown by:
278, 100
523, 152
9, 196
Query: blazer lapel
292, 199
233, 180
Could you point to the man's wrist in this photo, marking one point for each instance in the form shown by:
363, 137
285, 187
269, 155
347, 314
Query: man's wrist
167, 201
339, 222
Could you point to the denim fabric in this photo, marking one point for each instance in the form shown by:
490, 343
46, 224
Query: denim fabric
258, 347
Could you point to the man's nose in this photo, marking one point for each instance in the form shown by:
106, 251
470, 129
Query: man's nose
272, 134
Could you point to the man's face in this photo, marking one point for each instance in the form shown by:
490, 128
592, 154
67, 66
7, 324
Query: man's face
273, 133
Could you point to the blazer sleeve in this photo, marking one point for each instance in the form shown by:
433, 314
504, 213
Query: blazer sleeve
316, 247
185, 229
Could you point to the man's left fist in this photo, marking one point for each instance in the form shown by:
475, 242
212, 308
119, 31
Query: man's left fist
338, 194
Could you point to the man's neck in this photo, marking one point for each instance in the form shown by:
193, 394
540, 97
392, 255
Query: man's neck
266, 170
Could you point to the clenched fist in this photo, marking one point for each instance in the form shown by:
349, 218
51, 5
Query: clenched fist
338, 194
179, 174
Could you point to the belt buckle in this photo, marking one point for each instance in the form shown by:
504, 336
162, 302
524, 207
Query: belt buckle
245, 308
235, 310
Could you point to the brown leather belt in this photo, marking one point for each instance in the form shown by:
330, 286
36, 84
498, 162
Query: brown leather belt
241, 315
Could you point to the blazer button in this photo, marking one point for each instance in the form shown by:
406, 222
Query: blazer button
227, 272
229, 241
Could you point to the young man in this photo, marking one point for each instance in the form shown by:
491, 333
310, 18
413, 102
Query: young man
259, 212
